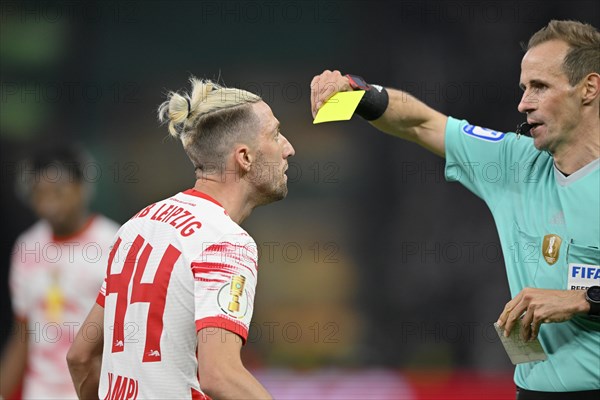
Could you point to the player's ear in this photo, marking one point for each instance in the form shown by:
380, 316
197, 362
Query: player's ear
243, 157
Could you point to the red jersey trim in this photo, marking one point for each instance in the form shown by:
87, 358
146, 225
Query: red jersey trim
100, 299
194, 192
81, 231
223, 323
196, 395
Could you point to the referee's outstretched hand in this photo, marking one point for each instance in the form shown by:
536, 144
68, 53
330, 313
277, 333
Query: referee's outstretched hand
532, 307
323, 86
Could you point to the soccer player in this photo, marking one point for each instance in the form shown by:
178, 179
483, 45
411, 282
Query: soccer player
179, 290
550, 211
56, 269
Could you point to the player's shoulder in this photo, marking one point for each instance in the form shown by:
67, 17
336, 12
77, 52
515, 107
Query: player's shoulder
210, 211
35, 237
189, 212
215, 219
225, 230
194, 199
104, 223
238, 236
40, 231
103, 228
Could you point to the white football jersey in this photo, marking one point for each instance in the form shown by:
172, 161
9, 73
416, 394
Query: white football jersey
54, 282
178, 266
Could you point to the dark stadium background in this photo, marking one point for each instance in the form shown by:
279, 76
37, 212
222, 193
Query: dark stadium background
374, 271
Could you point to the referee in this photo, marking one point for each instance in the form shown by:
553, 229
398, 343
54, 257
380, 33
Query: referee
550, 213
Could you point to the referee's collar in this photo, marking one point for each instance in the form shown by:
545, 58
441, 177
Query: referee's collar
565, 180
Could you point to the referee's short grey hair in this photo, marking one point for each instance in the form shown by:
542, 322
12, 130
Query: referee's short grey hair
583, 57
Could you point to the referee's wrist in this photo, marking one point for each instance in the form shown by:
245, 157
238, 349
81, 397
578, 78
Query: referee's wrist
375, 100
592, 299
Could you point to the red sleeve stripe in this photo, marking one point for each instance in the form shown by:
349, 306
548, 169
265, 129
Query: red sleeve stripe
199, 278
100, 299
242, 253
208, 267
221, 322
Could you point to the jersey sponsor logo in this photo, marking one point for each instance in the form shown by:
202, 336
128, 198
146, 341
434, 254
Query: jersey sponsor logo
478, 132
582, 276
233, 298
551, 248
121, 388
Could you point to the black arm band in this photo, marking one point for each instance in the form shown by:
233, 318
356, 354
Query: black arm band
373, 104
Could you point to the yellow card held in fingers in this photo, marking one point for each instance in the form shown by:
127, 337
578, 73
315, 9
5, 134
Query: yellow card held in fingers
339, 107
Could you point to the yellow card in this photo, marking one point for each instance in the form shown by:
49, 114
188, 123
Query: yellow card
339, 107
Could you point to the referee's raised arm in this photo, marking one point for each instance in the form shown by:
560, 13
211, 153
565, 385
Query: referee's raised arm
389, 110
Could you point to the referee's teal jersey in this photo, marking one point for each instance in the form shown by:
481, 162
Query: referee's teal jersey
549, 228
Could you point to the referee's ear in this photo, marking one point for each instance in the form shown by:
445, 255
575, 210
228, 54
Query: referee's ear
590, 88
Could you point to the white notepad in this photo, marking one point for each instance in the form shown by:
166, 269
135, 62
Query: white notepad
517, 349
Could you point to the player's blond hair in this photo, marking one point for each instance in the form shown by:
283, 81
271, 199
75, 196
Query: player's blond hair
583, 57
209, 120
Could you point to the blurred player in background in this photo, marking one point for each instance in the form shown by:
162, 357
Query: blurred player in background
181, 278
546, 204
56, 269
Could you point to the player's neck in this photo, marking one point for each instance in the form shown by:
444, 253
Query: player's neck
74, 225
233, 198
